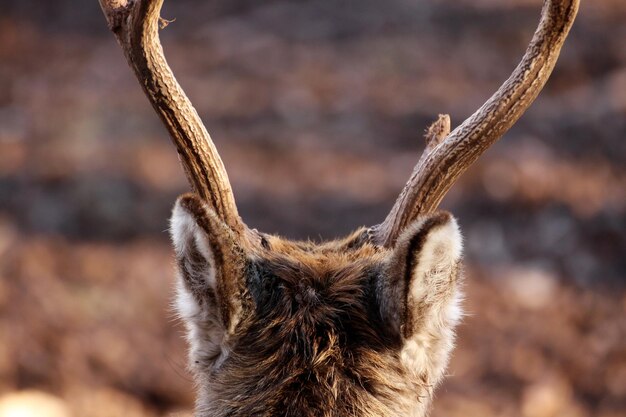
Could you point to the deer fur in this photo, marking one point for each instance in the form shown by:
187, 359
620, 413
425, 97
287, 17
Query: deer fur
356, 327
299, 329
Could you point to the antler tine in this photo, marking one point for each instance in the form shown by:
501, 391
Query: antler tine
135, 24
437, 171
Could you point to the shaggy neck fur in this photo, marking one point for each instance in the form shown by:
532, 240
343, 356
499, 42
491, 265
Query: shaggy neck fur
343, 328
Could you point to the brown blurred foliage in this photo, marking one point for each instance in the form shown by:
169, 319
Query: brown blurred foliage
318, 109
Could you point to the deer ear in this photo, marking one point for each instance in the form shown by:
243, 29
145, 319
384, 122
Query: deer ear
211, 265
421, 293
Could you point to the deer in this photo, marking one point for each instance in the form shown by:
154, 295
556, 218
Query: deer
359, 326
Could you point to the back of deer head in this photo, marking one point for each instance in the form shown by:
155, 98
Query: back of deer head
362, 326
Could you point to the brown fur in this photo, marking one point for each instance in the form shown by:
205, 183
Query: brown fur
300, 329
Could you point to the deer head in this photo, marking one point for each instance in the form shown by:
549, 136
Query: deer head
361, 326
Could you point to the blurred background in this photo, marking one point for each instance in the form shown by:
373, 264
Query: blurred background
318, 109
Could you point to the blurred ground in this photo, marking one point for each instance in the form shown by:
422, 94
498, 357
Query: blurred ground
318, 109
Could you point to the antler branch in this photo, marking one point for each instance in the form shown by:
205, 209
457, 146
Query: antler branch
444, 162
135, 24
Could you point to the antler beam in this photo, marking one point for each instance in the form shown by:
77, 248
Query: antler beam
135, 24
444, 162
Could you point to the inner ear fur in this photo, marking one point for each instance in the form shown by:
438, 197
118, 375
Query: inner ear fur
210, 257
422, 273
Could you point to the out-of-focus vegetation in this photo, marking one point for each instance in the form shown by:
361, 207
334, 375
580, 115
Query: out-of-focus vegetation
318, 109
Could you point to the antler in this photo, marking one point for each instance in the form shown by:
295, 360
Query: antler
135, 24
446, 159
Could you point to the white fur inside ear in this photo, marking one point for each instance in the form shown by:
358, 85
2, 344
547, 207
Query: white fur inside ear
434, 285
205, 334
437, 259
184, 230
444, 244
186, 305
